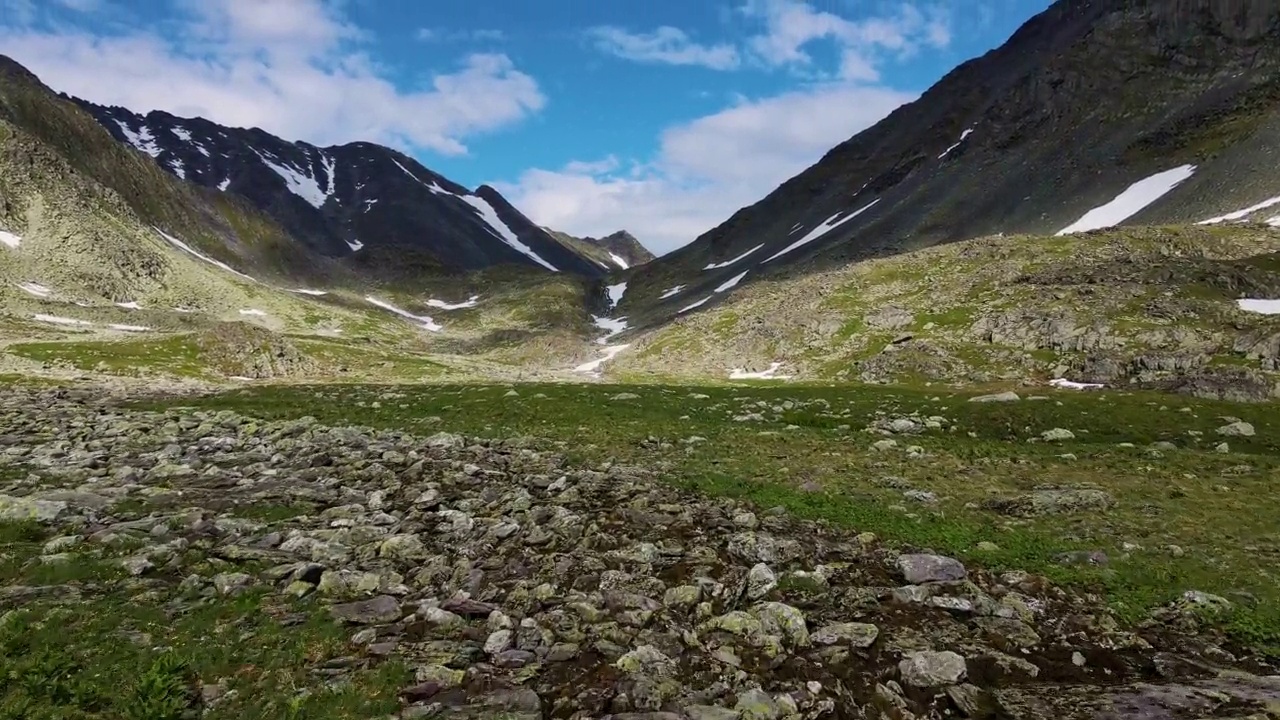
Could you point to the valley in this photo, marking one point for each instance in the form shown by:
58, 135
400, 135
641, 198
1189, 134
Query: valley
975, 417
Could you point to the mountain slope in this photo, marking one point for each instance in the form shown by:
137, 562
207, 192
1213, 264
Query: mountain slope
337, 200
1167, 108
616, 251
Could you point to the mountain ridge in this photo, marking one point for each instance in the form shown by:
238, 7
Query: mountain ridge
338, 199
1084, 101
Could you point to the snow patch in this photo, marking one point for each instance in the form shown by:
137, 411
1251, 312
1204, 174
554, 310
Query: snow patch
947, 152
252, 311
299, 183
425, 320
470, 303
794, 228
56, 320
129, 328
182, 245
178, 168
694, 305
9, 239
727, 263
315, 293
827, 226
131, 305
612, 326
354, 245
143, 139
1274, 222
593, 367
1066, 384
615, 294
1130, 202
181, 133
501, 230
1262, 307
731, 282
183, 310
36, 289
770, 374
670, 292
224, 185
1242, 214
621, 262
368, 204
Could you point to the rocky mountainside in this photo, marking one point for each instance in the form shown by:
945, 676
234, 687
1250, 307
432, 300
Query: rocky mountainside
338, 200
1095, 112
616, 251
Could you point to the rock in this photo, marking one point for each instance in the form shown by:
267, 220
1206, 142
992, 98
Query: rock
1008, 396
884, 445
375, 611
16, 509
1237, 429
231, 583
918, 569
1066, 501
756, 704
407, 548
138, 565
858, 635
931, 669
784, 621
1057, 435
498, 641
624, 396
646, 661
760, 581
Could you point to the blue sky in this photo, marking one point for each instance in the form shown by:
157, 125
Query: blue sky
661, 117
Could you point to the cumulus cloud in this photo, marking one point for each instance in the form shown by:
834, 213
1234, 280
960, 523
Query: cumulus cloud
705, 170
666, 45
292, 67
790, 26
428, 34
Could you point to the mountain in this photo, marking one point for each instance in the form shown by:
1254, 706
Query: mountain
337, 200
1095, 112
617, 251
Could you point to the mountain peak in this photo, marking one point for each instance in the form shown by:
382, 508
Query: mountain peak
339, 199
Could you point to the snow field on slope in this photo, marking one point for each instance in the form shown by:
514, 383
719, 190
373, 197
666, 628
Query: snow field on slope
502, 231
827, 226
1130, 202
727, 263
426, 322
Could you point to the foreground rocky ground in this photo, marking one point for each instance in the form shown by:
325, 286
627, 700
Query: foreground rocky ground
454, 577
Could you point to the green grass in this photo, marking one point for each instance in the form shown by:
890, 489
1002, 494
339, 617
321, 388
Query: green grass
124, 652
174, 355
1218, 508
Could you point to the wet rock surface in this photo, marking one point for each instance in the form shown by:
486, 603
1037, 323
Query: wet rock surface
516, 585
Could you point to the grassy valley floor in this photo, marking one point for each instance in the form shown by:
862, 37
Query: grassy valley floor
527, 551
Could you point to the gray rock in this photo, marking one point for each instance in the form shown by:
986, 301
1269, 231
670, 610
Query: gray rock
1057, 435
760, 581
1008, 396
375, 611
853, 634
16, 509
930, 669
1237, 429
918, 569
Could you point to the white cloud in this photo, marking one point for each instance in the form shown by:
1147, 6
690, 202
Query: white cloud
666, 45
291, 67
427, 34
706, 169
82, 5
790, 26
